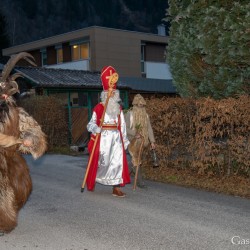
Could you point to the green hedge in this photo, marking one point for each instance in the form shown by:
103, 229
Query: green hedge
209, 47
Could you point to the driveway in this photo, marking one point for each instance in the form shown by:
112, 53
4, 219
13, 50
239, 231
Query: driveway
58, 216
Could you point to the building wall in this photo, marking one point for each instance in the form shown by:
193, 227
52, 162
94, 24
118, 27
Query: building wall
66, 52
155, 52
37, 56
119, 48
51, 55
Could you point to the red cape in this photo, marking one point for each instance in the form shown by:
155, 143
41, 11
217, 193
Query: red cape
98, 109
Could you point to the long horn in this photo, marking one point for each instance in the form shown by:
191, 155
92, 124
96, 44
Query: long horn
15, 76
12, 62
13, 88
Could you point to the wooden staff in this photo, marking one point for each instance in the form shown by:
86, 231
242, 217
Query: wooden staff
96, 139
137, 167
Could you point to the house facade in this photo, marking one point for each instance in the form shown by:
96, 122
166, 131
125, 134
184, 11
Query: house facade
78, 91
69, 66
133, 54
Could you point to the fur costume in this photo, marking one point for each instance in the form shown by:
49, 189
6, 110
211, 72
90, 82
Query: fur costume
15, 127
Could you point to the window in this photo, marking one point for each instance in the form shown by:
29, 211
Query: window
59, 53
74, 99
95, 98
80, 51
142, 58
44, 57
75, 53
83, 99
84, 51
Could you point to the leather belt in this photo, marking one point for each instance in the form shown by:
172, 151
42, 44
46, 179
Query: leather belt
109, 127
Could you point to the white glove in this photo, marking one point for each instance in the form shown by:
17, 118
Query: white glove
126, 144
98, 130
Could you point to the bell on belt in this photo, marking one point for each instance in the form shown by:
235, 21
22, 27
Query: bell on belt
155, 159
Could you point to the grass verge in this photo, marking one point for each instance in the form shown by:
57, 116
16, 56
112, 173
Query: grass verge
232, 185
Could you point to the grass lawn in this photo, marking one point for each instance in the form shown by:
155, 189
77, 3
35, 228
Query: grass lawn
232, 185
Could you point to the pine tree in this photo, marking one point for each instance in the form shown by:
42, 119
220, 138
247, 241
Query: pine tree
209, 47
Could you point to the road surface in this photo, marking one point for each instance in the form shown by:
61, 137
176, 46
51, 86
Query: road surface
58, 216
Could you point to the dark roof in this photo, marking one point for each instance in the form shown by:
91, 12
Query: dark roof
149, 85
54, 78
50, 77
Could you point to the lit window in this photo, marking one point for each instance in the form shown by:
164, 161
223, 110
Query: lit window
59, 55
80, 52
84, 51
75, 53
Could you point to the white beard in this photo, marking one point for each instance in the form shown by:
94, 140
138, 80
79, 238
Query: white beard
113, 108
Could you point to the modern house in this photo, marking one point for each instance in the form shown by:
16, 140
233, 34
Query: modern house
69, 63
133, 54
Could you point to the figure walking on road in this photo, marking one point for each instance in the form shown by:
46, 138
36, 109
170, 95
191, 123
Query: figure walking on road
108, 163
140, 134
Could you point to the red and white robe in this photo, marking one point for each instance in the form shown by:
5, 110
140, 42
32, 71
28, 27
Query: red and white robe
109, 163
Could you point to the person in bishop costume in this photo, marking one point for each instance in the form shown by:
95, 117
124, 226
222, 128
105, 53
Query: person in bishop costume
109, 164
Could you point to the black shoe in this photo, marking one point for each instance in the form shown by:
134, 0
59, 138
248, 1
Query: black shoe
1, 233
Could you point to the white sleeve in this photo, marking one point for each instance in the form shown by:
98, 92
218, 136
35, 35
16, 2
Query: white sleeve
124, 131
92, 126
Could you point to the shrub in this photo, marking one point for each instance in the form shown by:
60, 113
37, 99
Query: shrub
207, 136
209, 50
50, 113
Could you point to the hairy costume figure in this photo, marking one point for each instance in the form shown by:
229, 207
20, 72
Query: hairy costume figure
19, 133
140, 133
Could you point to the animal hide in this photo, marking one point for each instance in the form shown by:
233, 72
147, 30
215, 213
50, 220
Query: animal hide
15, 181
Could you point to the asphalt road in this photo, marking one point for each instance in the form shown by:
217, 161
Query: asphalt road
58, 216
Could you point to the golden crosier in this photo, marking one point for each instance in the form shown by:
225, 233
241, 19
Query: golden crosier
113, 80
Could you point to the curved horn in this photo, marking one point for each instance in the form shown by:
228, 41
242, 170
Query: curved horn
12, 62
15, 76
12, 88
